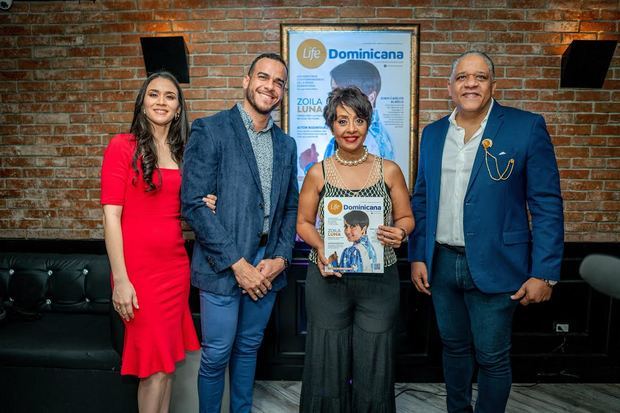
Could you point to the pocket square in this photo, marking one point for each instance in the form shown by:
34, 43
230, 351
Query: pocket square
501, 153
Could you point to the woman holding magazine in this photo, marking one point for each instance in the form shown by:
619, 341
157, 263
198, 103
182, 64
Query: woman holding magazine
351, 315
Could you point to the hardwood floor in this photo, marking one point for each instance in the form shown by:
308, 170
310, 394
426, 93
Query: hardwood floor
283, 397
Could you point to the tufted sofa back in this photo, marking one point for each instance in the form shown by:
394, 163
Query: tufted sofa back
42, 282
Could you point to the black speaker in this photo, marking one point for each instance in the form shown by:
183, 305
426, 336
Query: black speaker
585, 63
166, 53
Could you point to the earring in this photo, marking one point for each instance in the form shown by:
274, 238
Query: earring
143, 111
176, 116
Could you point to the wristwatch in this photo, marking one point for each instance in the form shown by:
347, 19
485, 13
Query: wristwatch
550, 283
283, 259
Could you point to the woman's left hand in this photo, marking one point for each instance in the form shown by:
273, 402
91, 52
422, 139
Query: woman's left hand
392, 236
210, 201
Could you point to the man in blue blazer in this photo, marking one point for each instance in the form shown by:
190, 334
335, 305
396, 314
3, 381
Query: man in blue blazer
241, 156
482, 170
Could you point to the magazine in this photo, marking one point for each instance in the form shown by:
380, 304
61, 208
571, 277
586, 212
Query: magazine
350, 229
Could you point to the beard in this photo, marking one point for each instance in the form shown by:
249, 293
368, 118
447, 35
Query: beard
250, 97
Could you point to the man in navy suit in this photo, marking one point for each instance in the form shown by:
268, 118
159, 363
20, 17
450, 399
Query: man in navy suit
241, 156
481, 171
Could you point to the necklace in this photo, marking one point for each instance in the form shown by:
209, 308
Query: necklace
335, 177
354, 162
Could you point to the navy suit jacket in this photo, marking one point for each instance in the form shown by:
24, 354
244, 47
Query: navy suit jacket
502, 249
219, 160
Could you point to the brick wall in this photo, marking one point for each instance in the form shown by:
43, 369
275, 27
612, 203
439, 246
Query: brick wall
69, 72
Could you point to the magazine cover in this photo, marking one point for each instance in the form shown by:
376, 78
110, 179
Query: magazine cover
350, 226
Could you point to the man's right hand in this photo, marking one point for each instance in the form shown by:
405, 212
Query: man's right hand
250, 279
419, 276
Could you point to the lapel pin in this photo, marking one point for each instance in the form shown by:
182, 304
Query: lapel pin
501, 176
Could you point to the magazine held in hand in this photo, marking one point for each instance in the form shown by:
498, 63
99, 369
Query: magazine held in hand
350, 228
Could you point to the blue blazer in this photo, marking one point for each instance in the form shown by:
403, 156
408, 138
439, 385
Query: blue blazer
502, 249
219, 160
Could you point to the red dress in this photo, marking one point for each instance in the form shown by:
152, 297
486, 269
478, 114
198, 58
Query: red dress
156, 260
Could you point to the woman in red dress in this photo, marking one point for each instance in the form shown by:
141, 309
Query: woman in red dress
140, 183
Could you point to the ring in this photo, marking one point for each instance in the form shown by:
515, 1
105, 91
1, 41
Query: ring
257, 291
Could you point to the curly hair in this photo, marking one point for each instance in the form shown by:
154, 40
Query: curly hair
350, 96
141, 129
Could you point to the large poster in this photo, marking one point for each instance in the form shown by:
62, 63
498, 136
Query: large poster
380, 60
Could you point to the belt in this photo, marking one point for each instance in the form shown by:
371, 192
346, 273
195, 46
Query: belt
453, 248
263, 239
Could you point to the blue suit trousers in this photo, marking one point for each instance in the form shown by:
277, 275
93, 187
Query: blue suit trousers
232, 332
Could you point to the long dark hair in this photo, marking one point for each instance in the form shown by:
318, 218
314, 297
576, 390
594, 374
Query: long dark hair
145, 141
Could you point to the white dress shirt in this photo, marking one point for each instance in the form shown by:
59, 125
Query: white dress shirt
456, 164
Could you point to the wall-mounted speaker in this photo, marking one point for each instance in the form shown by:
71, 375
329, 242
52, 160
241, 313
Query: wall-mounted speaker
585, 63
5, 4
166, 53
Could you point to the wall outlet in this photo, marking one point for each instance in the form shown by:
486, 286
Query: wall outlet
561, 328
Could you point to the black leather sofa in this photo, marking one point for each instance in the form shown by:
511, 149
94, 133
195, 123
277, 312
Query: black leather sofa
59, 339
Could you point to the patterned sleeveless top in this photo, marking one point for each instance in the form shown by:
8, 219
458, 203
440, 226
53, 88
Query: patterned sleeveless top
375, 186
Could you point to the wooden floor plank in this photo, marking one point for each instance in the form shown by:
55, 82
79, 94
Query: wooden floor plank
283, 397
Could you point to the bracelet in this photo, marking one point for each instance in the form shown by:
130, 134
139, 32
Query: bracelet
404, 234
283, 259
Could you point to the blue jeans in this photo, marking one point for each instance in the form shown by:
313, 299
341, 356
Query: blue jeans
475, 329
232, 332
